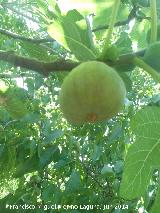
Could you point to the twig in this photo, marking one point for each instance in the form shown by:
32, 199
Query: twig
32, 40
132, 15
118, 24
89, 172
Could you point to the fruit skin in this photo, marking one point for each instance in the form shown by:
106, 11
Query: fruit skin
152, 56
91, 92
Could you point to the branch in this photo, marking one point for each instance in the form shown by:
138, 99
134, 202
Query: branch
92, 175
118, 24
32, 40
132, 15
36, 65
61, 64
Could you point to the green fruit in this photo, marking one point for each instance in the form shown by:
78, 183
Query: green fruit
152, 56
91, 92
112, 53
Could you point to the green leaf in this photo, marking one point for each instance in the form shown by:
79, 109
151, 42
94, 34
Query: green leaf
84, 28
66, 32
48, 192
143, 156
138, 33
107, 171
61, 164
156, 205
48, 155
16, 108
27, 166
124, 43
16, 102
74, 15
55, 134
11, 199
35, 51
74, 182
33, 148
39, 81
86, 35
115, 134
97, 153
118, 166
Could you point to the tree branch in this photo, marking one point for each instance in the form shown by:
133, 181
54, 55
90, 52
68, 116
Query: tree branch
36, 65
132, 15
32, 40
61, 64
118, 24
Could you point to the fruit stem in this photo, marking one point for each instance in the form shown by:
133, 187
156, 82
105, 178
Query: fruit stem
111, 26
153, 20
140, 63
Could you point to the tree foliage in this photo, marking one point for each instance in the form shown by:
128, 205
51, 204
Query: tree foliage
50, 165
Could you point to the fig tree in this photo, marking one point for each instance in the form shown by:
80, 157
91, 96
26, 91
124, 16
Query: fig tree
91, 92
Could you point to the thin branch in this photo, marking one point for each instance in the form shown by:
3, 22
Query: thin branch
118, 24
90, 173
32, 40
61, 64
132, 15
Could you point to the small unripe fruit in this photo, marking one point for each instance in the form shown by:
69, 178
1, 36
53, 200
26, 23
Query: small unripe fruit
152, 56
91, 92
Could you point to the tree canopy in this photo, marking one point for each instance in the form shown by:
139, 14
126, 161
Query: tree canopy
48, 164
